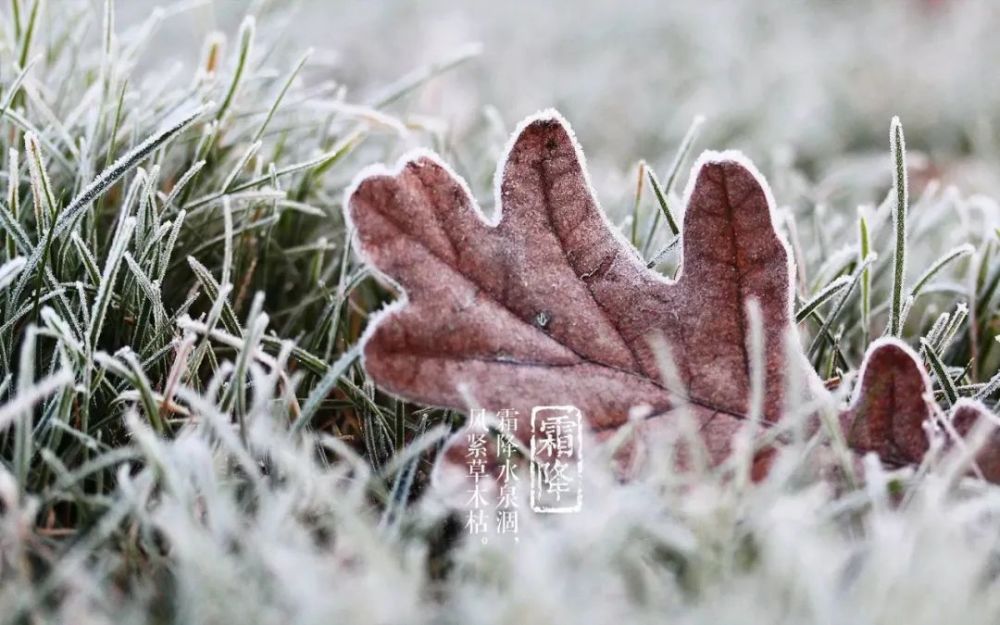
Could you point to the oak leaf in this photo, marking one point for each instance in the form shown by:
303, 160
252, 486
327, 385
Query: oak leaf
547, 303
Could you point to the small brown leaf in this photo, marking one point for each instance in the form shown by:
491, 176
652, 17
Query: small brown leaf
965, 417
890, 405
890, 413
548, 304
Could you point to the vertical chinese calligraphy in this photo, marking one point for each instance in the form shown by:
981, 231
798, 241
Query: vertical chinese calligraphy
483, 472
506, 507
556, 459
492, 456
475, 461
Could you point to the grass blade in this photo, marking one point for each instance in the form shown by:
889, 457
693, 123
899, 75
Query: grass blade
864, 249
105, 288
959, 252
940, 371
662, 193
822, 297
9, 271
103, 182
898, 147
824, 331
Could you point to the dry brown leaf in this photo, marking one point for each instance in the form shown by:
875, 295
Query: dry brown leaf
965, 418
890, 406
891, 413
547, 304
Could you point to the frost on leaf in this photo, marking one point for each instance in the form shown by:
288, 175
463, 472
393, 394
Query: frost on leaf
547, 304
966, 416
890, 405
891, 414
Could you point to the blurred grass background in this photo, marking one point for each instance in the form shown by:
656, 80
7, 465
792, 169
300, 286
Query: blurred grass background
809, 80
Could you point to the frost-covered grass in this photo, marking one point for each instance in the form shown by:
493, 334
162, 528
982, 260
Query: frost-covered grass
186, 434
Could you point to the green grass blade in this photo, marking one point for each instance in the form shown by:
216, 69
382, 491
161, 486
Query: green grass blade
898, 147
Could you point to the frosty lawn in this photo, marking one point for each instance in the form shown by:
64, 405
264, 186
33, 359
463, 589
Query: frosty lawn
194, 430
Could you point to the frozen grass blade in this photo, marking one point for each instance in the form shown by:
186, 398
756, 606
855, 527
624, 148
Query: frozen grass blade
29, 32
937, 330
898, 147
41, 188
227, 241
9, 271
940, 372
182, 183
324, 387
256, 325
755, 350
120, 167
822, 297
838, 308
15, 87
281, 95
247, 31
637, 203
132, 371
22, 418
663, 192
660, 255
951, 330
166, 252
28, 397
87, 258
105, 288
240, 165
959, 252
150, 289
13, 202
219, 308
419, 76
318, 165
111, 175
988, 389
864, 249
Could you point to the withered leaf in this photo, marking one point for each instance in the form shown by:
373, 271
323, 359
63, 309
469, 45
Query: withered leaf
891, 411
890, 406
548, 304
966, 415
